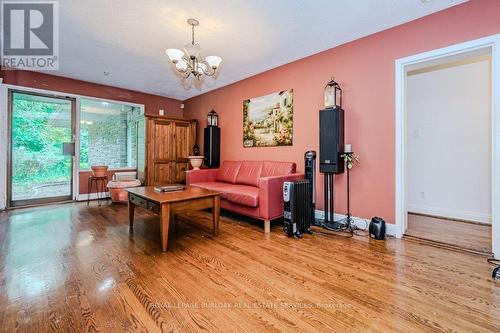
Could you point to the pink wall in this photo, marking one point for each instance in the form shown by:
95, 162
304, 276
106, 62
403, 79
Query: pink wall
38, 80
365, 70
83, 178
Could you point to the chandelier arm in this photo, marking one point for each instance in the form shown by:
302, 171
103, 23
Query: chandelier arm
210, 72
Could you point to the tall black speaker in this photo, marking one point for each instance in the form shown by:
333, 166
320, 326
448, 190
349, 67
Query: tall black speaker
331, 140
211, 146
310, 174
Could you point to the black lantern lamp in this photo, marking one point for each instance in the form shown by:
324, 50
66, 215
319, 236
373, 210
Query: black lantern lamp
213, 118
211, 145
333, 95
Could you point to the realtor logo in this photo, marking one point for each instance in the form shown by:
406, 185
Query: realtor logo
30, 35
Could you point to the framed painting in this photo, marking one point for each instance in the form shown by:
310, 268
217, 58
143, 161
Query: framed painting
268, 120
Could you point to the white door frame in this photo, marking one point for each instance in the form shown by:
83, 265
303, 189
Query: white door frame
4, 109
491, 42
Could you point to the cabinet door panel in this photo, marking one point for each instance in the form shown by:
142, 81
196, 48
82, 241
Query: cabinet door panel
182, 142
162, 141
162, 174
179, 172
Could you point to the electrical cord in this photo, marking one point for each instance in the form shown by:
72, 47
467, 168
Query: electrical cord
345, 227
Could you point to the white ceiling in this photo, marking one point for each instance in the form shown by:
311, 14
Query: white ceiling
128, 37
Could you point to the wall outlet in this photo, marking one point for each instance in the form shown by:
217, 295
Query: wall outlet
422, 195
161, 112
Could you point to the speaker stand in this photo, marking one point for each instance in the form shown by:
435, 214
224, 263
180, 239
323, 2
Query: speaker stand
328, 221
345, 225
349, 221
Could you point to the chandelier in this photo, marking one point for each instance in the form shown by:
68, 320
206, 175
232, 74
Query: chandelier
189, 63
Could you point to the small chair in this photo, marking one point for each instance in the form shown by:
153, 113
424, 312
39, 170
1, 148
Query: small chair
100, 188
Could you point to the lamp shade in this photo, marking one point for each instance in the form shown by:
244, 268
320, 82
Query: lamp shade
213, 61
175, 55
192, 49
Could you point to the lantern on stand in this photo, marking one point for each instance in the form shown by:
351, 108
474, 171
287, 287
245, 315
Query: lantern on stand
333, 95
212, 141
213, 118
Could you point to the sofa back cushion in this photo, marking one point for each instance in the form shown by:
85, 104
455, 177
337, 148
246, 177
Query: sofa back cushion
228, 171
249, 173
271, 168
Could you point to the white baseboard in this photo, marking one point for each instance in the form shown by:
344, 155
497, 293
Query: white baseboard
93, 196
390, 229
450, 213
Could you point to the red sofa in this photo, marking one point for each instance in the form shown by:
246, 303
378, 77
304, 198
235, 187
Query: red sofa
251, 188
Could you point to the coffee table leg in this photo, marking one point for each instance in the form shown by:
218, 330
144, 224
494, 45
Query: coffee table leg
131, 209
164, 224
216, 214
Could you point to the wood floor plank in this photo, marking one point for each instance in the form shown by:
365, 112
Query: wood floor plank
471, 236
73, 268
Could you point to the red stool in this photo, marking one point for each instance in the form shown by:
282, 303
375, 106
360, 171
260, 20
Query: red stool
100, 187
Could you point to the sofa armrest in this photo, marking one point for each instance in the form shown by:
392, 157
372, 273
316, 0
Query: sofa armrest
199, 176
271, 194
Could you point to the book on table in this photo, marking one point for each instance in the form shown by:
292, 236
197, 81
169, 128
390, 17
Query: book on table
169, 188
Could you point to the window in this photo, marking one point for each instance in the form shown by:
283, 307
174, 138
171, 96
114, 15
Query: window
111, 134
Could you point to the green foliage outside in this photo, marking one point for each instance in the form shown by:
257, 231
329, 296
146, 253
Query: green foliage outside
38, 135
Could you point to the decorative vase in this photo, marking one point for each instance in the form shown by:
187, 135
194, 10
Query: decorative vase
196, 161
99, 170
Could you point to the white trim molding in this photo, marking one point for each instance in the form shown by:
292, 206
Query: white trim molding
401, 66
450, 213
93, 196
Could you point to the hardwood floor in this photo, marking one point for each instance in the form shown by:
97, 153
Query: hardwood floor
471, 236
72, 268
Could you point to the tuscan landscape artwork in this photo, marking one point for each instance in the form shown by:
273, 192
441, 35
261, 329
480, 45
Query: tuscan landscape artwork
268, 120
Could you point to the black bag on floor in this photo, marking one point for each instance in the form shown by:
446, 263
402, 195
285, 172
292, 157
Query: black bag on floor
377, 228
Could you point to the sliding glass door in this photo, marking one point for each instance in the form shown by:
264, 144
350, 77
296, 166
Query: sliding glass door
41, 148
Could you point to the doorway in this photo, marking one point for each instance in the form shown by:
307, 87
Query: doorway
41, 135
489, 44
448, 147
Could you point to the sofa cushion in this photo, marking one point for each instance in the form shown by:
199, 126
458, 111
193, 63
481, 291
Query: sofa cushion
239, 194
249, 173
271, 168
215, 186
243, 195
228, 171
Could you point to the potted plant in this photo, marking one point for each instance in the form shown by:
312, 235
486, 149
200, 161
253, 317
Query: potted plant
350, 159
99, 170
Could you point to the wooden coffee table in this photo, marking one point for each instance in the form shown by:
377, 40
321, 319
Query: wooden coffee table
171, 203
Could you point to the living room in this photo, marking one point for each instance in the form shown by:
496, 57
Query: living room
259, 94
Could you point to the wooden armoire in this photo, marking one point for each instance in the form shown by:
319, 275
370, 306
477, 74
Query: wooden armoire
169, 143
